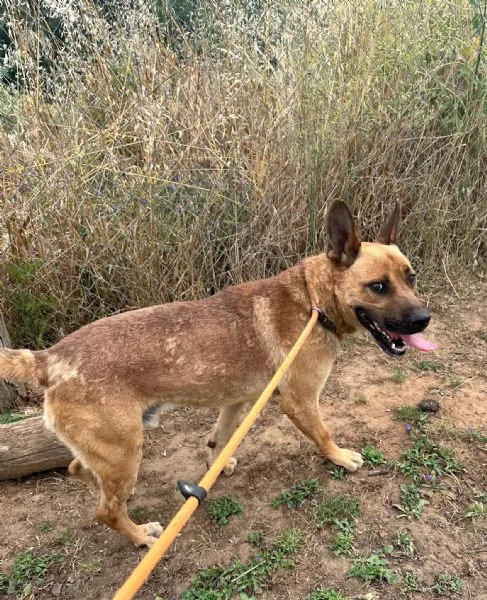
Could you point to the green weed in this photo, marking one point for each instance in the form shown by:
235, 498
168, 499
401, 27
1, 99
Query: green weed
139, 514
473, 435
322, 593
10, 417
344, 539
63, 538
428, 365
361, 399
427, 461
478, 510
220, 583
27, 570
372, 456
224, 507
412, 416
399, 375
447, 584
411, 502
336, 471
36, 312
92, 568
405, 543
45, 526
335, 508
295, 497
455, 381
374, 567
410, 583
255, 538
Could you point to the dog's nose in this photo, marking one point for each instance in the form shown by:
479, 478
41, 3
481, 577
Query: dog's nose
419, 319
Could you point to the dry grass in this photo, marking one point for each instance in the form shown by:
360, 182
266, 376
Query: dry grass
139, 171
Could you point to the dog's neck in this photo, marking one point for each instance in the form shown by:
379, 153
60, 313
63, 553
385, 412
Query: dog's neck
319, 280
324, 320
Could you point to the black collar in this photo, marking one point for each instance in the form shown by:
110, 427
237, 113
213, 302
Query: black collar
324, 320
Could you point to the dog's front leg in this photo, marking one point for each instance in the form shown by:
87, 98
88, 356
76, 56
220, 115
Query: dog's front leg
225, 425
304, 411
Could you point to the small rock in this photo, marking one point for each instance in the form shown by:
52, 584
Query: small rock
429, 405
56, 589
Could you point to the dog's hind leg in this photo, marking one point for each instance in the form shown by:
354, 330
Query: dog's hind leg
225, 426
77, 469
115, 491
106, 440
115, 461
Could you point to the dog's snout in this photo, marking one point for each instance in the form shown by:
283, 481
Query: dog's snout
419, 319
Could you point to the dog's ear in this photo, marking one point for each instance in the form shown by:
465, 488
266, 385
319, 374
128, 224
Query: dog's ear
343, 236
390, 230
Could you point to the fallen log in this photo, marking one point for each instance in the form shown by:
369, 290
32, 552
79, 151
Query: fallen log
28, 447
9, 391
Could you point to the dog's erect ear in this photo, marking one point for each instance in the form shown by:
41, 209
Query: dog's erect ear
390, 230
343, 236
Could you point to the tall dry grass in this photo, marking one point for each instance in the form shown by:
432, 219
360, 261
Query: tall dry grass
139, 171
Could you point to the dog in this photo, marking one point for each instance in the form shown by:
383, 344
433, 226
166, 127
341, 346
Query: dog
104, 380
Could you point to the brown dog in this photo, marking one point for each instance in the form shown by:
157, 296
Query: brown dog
102, 381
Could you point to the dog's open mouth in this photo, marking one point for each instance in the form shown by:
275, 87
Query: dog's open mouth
394, 344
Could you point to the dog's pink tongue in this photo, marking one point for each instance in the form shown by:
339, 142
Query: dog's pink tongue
417, 341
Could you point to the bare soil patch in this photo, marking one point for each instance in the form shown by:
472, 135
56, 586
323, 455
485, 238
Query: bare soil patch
53, 514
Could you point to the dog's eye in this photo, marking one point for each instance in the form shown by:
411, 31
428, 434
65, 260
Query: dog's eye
379, 287
412, 279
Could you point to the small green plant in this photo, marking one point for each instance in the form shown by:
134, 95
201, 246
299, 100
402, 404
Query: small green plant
374, 567
139, 514
63, 538
455, 381
27, 569
224, 507
337, 472
447, 584
255, 538
10, 417
295, 497
361, 399
478, 510
45, 526
92, 568
344, 539
405, 543
321, 593
399, 375
473, 435
428, 366
426, 461
221, 583
410, 583
334, 508
412, 416
36, 313
411, 502
372, 456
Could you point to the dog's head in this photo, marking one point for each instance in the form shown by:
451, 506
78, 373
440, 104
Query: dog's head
375, 283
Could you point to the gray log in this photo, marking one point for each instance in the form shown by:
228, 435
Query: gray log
9, 392
28, 447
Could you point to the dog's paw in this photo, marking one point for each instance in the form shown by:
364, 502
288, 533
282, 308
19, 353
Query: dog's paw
349, 459
152, 532
229, 468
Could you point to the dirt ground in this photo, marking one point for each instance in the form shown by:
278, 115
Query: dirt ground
53, 514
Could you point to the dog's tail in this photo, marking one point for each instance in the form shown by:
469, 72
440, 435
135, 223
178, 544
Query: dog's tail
20, 365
